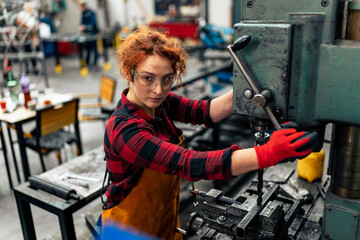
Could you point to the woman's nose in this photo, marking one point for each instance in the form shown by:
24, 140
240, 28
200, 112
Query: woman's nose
158, 88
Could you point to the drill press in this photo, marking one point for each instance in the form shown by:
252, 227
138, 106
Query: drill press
303, 57
306, 54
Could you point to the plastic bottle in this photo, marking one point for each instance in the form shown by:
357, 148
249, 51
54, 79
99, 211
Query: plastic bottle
25, 88
5, 69
12, 84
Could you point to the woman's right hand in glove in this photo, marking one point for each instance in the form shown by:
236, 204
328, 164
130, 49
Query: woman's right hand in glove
284, 144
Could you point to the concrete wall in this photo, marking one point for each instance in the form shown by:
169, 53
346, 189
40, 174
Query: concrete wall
69, 20
127, 14
130, 13
220, 12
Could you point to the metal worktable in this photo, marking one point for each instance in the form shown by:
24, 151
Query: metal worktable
91, 164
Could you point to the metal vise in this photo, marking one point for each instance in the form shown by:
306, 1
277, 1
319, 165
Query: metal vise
241, 218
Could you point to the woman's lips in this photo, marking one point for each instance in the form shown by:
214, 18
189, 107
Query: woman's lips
155, 99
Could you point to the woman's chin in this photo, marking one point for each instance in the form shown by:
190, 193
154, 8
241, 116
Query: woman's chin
153, 105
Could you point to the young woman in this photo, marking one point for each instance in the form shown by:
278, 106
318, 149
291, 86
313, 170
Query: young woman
144, 155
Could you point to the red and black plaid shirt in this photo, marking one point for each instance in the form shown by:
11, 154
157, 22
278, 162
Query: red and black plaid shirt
134, 141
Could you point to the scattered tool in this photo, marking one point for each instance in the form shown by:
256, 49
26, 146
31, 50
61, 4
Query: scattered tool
75, 176
79, 183
52, 188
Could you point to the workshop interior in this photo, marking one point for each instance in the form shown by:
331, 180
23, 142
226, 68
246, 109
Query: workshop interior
286, 61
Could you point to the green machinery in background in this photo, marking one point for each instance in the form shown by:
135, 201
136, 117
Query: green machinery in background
304, 57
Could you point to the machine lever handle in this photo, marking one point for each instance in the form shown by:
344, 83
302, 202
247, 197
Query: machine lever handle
241, 42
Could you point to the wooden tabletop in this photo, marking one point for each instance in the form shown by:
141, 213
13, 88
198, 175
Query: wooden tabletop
23, 114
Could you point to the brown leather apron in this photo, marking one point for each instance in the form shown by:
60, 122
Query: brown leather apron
151, 207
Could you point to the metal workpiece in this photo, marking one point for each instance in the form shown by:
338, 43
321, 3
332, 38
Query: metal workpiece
243, 227
213, 195
271, 214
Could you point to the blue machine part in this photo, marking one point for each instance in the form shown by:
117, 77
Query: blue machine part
216, 37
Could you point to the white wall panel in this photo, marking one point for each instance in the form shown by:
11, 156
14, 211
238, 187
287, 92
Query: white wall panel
220, 12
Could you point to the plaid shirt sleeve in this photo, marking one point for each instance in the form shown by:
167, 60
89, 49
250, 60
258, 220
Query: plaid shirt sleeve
134, 141
189, 110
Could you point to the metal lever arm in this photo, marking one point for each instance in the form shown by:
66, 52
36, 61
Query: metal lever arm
239, 44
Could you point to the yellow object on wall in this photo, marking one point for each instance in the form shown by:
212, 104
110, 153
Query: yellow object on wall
311, 168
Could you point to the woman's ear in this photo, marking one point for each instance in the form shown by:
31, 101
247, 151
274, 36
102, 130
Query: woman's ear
130, 78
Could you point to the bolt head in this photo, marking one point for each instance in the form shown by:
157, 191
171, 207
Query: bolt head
250, 4
248, 94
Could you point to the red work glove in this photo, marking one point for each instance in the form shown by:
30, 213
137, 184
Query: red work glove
282, 145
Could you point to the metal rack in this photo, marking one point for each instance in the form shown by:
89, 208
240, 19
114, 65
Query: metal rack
20, 43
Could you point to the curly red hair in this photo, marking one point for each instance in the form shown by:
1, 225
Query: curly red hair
146, 41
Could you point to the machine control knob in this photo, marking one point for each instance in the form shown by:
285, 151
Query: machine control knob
248, 94
260, 100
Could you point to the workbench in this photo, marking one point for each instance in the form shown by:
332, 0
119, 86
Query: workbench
21, 115
90, 165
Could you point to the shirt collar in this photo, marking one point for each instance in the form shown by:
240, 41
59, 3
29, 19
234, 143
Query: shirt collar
138, 112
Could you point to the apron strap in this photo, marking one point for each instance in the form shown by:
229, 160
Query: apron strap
117, 112
103, 188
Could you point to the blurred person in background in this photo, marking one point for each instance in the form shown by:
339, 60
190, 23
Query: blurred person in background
28, 19
89, 27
